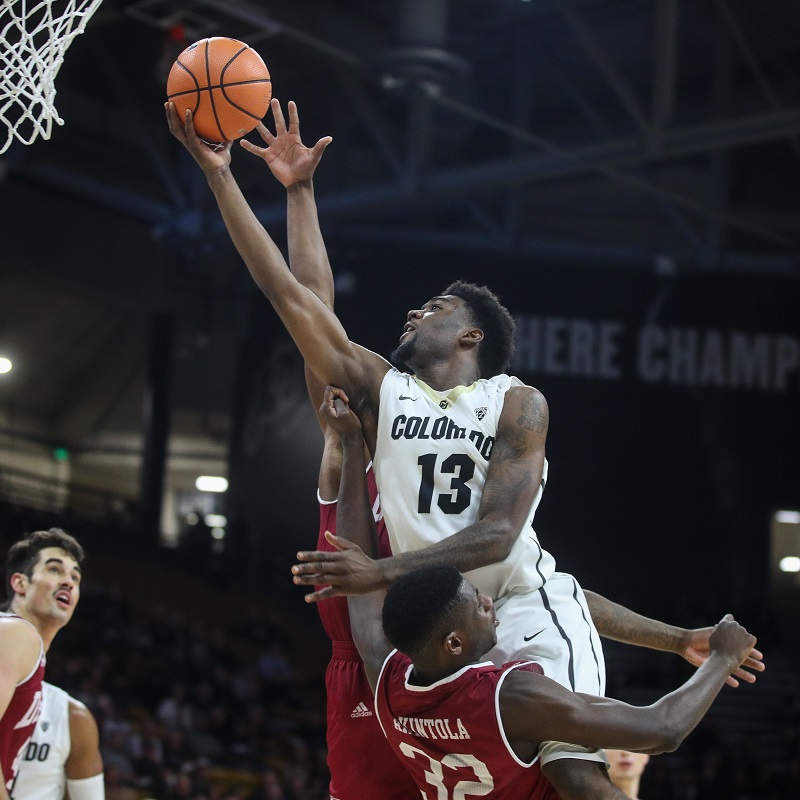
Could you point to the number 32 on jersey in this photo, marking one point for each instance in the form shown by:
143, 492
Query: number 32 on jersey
439, 771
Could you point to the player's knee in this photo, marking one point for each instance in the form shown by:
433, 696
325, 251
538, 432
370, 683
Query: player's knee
578, 779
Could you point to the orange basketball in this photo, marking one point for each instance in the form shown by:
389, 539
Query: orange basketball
225, 84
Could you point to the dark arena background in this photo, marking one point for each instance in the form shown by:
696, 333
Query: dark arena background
624, 175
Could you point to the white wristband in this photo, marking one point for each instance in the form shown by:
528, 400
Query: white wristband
87, 788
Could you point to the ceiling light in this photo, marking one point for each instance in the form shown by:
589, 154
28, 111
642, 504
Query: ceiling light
789, 564
5, 365
211, 483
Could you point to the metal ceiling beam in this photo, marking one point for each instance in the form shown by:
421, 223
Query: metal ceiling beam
665, 64
143, 134
380, 131
689, 140
418, 138
421, 23
719, 166
594, 158
752, 62
521, 112
247, 12
607, 169
602, 158
601, 129
131, 204
616, 80
553, 249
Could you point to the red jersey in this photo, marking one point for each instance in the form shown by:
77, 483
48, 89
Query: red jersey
361, 763
20, 718
449, 734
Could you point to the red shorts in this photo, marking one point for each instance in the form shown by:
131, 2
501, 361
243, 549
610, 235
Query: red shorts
362, 765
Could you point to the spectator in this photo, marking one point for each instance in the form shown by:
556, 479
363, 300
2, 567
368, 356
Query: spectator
625, 770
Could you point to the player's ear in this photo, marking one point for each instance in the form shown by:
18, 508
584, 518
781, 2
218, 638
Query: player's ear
19, 583
453, 645
472, 336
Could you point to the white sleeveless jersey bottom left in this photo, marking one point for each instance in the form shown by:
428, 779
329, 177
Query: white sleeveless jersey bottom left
41, 774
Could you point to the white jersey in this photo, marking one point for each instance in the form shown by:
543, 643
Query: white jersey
41, 774
431, 459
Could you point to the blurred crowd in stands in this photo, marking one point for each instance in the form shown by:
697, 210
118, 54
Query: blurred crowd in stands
191, 708
189, 711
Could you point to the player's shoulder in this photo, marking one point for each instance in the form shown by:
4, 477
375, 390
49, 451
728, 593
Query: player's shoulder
519, 678
523, 666
16, 630
77, 709
394, 375
520, 396
395, 662
74, 705
506, 379
395, 657
82, 724
511, 383
21, 647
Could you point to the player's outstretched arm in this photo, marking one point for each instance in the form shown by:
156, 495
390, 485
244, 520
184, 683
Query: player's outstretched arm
623, 625
356, 526
84, 765
315, 329
294, 164
515, 472
536, 709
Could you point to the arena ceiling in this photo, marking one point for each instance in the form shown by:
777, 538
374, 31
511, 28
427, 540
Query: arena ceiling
588, 131
660, 136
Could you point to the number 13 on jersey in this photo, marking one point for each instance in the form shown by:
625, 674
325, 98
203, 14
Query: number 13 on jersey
461, 467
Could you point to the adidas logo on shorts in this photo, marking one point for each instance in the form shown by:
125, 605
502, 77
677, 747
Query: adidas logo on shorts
361, 711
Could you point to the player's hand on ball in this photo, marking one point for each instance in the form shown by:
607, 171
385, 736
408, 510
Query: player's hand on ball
209, 158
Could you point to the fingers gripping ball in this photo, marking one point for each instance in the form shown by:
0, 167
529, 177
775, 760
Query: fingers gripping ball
225, 84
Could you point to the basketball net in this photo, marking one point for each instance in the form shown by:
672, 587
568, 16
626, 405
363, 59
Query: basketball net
34, 35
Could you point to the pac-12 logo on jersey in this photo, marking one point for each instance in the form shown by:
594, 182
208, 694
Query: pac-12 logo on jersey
480, 413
